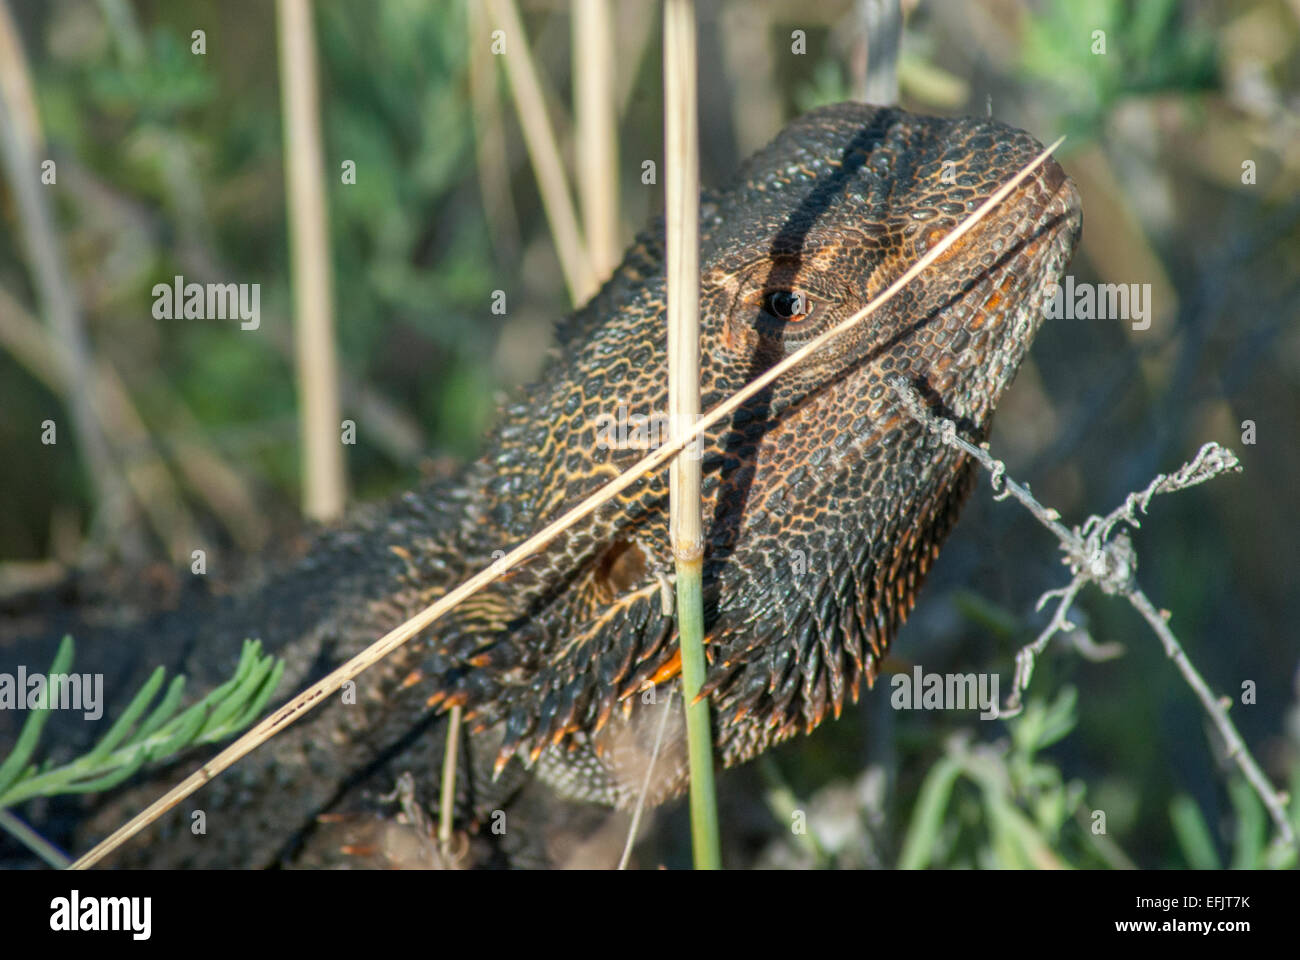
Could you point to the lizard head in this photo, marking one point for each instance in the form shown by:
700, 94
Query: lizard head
838, 207
836, 502
824, 503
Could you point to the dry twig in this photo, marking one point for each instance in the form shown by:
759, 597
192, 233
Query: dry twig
1096, 552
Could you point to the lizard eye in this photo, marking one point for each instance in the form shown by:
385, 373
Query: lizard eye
789, 305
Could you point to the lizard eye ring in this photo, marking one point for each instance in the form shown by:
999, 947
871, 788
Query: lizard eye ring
792, 306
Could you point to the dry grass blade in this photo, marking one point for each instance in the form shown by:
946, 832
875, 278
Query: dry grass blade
490, 140
875, 66
447, 799
596, 130
639, 809
20, 145
544, 152
324, 480
682, 257
315, 694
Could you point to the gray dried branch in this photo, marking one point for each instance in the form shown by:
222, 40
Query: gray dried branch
1096, 553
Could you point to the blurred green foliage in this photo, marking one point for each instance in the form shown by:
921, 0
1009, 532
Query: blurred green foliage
145, 732
1091, 54
191, 144
173, 166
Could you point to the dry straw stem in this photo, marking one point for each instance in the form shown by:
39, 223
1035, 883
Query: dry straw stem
324, 482
20, 146
543, 152
447, 800
875, 66
682, 192
314, 695
594, 109
1095, 556
637, 810
490, 138
596, 127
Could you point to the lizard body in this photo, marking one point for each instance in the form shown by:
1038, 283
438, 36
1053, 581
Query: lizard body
824, 503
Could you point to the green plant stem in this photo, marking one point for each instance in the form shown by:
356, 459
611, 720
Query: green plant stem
699, 729
34, 841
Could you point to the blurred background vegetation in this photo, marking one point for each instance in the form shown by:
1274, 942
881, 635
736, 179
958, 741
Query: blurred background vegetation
171, 163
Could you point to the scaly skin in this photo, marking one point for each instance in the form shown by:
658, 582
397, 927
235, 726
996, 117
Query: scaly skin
827, 503
824, 503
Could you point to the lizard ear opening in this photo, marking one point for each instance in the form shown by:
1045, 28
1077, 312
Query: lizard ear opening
619, 569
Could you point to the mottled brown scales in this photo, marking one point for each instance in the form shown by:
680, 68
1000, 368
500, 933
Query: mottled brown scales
824, 504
